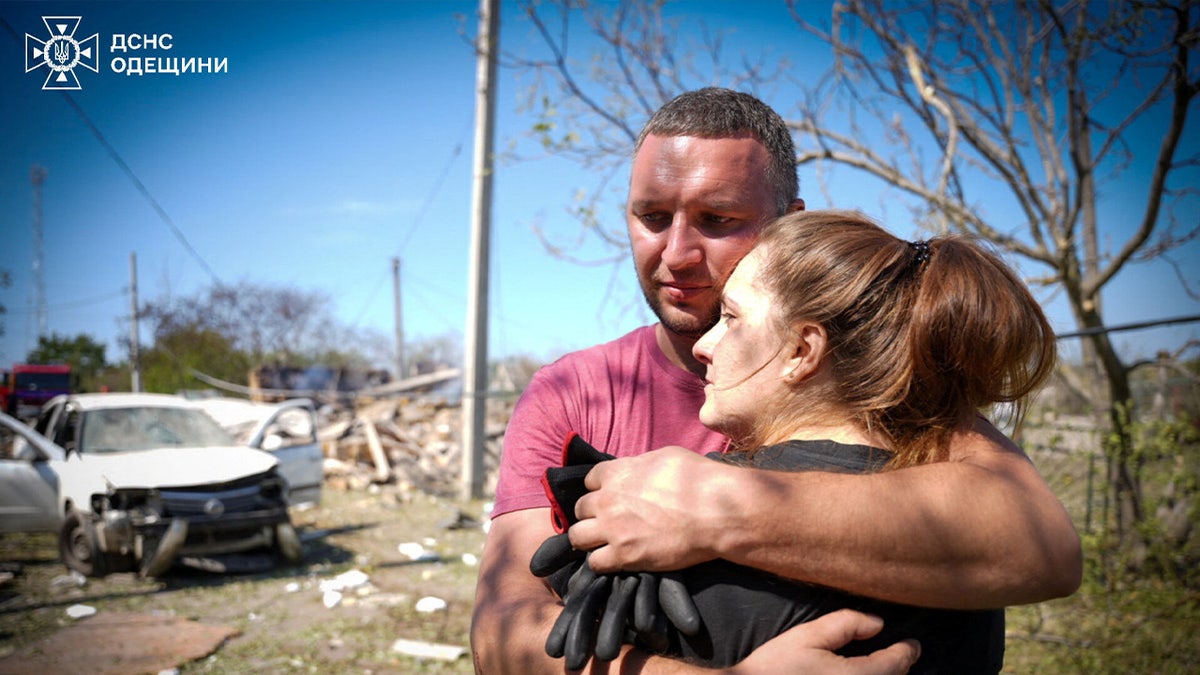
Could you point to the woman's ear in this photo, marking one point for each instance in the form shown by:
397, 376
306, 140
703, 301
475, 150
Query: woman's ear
809, 342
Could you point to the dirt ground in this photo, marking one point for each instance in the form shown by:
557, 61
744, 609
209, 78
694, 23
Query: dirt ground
380, 566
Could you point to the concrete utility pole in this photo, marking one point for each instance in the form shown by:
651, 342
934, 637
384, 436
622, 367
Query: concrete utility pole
475, 379
400, 372
135, 362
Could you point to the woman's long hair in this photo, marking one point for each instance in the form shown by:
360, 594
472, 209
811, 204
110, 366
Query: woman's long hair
921, 335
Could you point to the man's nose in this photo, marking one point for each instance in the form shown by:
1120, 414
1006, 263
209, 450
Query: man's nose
684, 246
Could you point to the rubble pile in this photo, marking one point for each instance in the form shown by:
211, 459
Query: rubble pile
415, 444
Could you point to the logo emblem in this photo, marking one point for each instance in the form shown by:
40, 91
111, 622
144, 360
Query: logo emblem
62, 52
214, 507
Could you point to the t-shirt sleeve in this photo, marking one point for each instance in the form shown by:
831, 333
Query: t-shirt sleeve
533, 441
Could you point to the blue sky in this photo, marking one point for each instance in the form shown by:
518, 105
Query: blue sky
340, 136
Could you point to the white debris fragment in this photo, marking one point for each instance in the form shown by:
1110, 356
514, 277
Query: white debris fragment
486, 526
470, 559
428, 650
64, 580
429, 604
345, 581
331, 599
292, 587
416, 552
80, 611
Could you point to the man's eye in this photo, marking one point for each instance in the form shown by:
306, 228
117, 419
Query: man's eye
727, 317
654, 219
719, 225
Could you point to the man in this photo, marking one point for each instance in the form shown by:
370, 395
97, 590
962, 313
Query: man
981, 530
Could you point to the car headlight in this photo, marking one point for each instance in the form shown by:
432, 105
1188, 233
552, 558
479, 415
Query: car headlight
147, 501
272, 487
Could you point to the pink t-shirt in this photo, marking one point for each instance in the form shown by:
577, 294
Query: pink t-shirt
624, 397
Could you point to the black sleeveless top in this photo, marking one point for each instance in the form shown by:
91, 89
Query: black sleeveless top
742, 608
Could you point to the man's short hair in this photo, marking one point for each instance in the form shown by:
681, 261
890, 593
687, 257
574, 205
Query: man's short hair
715, 112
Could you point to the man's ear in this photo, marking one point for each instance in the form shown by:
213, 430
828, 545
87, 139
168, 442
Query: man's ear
796, 205
809, 342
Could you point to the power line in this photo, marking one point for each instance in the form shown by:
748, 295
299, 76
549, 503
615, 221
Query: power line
116, 157
72, 304
437, 186
1128, 326
137, 183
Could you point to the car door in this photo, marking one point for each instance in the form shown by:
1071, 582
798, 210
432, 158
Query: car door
29, 483
290, 434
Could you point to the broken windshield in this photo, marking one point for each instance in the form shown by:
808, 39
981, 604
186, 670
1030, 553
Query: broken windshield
126, 429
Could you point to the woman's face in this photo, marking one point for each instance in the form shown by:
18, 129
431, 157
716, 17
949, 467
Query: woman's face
745, 355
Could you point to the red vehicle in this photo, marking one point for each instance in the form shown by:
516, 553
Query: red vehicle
30, 385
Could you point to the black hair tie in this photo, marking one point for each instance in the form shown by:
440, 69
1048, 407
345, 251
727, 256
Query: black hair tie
921, 249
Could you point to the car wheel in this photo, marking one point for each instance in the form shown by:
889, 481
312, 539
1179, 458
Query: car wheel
78, 547
287, 544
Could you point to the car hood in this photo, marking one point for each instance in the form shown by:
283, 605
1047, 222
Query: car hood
174, 467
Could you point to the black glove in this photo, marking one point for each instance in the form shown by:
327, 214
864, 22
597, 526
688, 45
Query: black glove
596, 613
600, 612
564, 484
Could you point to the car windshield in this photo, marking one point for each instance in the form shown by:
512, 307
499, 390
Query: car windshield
125, 429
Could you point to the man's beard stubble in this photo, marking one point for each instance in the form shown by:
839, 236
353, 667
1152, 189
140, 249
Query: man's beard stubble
687, 326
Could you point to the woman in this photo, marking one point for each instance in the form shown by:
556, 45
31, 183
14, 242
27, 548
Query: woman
841, 347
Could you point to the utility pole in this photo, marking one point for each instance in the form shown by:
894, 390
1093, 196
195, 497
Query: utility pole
475, 379
135, 364
37, 176
400, 371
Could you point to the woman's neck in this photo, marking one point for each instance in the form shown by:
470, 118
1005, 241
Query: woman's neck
848, 434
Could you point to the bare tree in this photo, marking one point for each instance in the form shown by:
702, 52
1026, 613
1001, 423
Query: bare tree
285, 325
1040, 99
949, 102
589, 105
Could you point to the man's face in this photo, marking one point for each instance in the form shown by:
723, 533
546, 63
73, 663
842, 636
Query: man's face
695, 208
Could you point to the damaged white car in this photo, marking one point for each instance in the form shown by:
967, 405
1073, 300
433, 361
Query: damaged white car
139, 482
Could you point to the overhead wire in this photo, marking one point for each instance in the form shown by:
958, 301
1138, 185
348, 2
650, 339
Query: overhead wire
128, 171
420, 216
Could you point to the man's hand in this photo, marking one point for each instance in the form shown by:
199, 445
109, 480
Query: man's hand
808, 648
650, 512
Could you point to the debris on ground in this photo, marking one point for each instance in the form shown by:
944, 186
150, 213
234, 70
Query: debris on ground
415, 444
117, 644
430, 604
428, 650
80, 611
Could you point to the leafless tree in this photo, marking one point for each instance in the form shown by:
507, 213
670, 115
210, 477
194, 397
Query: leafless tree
283, 325
1041, 99
949, 103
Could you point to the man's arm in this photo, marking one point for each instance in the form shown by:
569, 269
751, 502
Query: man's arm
514, 611
982, 530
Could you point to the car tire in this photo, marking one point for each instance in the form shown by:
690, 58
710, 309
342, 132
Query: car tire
78, 546
287, 544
